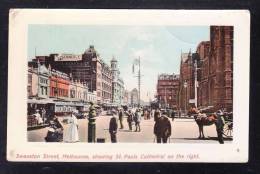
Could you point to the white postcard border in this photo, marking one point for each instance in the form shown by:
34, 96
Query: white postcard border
19, 19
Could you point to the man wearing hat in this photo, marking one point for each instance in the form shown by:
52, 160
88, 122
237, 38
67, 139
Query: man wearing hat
120, 114
137, 119
113, 129
220, 125
162, 128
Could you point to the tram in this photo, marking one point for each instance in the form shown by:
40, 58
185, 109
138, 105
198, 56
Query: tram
48, 108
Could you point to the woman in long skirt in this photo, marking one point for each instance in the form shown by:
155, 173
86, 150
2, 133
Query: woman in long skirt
71, 135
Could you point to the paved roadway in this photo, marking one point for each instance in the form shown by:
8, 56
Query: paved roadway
183, 131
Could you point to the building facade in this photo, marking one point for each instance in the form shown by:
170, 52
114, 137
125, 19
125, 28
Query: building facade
38, 81
186, 85
86, 67
32, 87
127, 98
78, 91
216, 83
59, 85
168, 90
117, 84
134, 97
106, 83
203, 51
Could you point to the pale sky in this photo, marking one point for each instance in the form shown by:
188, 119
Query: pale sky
159, 47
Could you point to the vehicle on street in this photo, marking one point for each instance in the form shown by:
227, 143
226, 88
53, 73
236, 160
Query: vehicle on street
80, 115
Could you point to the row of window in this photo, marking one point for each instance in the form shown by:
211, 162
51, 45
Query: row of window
106, 87
105, 78
167, 97
80, 95
59, 92
167, 91
43, 90
168, 83
106, 95
43, 81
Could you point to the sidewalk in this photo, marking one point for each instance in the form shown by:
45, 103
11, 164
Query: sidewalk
183, 131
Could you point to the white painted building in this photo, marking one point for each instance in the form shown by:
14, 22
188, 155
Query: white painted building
117, 84
79, 92
38, 81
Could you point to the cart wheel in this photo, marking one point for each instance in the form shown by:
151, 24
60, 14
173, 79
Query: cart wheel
228, 130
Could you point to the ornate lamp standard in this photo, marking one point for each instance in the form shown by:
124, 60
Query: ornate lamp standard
185, 86
92, 123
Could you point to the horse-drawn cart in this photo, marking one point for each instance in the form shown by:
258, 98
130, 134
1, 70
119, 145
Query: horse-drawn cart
228, 126
222, 120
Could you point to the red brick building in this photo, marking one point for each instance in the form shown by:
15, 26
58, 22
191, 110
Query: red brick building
216, 71
86, 67
59, 85
203, 50
167, 90
186, 89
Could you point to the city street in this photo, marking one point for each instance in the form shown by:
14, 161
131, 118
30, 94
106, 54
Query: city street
184, 130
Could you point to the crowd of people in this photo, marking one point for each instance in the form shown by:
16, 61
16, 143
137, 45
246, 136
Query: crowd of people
162, 124
56, 131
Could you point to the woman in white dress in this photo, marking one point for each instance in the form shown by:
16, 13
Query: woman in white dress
71, 135
38, 117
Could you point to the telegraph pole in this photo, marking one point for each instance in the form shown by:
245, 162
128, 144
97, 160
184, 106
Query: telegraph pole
196, 84
138, 62
139, 82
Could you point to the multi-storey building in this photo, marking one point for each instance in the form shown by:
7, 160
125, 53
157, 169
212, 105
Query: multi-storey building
167, 90
106, 83
59, 85
78, 91
127, 97
186, 88
203, 51
215, 71
216, 83
32, 87
86, 67
134, 97
117, 84
38, 81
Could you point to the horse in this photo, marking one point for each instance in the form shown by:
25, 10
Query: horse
204, 120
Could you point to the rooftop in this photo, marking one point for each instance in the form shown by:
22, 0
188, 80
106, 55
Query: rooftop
185, 56
168, 76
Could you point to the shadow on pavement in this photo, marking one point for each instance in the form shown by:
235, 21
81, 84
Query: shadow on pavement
208, 138
122, 130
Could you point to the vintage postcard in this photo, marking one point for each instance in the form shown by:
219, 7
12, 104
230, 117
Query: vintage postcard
128, 85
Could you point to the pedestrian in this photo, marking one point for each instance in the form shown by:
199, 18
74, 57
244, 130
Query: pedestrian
152, 113
113, 129
172, 114
162, 128
55, 130
120, 114
156, 114
149, 114
130, 119
71, 135
137, 120
38, 117
43, 115
220, 125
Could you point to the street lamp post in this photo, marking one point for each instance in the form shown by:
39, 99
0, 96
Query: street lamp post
185, 86
92, 124
196, 84
165, 99
92, 115
138, 62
